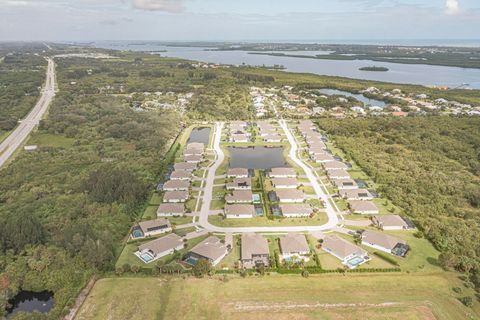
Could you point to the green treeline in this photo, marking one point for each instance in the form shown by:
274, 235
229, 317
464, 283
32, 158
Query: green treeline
429, 166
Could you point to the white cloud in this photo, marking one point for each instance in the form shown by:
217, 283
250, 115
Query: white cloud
173, 6
452, 7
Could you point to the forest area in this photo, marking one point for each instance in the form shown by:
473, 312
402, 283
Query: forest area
21, 76
66, 208
429, 166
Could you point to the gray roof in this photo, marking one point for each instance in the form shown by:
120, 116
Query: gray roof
356, 193
287, 194
240, 195
176, 195
237, 172
389, 221
285, 181
253, 244
294, 243
145, 225
162, 244
176, 184
344, 182
174, 208
196, 145
283, 172
341, 247
210, 248
184, 166
337, 173
247, 182
361, 206
180, 174
296, 208
381, 239
240, 209
335, 165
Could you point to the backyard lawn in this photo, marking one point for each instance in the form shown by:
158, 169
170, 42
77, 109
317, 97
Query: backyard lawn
329, 296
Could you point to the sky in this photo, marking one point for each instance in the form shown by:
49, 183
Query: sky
237, 20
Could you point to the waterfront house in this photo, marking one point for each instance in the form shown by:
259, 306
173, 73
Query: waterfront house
282, 173
237, 173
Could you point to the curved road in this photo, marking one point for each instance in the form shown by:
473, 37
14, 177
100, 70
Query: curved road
207, 198
21, 132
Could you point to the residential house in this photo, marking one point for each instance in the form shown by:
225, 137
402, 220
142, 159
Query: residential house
176, 185
237, 173
181, 175
362, 207
155, 249
240, 196
322, 158
237, 211
282, 173
338, 174
297, 210
239, 138
356, 194
194, 158
151, 228
240, 184
170, 209
335, 165
349, 254
211, 249
345, 184
272, 138
175, 196
385, 243
285, 183
391, 222
190, 167
290, 195
254, 251
294, 247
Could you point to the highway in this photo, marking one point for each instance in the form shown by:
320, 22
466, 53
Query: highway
207, 197
25, 127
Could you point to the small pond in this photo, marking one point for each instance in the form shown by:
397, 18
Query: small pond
200, 134
359, 97
262, 158
28, 301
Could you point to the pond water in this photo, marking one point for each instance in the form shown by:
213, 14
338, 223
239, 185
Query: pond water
200, 135
262, 158
359, 97
28, 301
398, 72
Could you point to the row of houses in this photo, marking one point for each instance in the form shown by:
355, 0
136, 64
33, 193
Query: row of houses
359, 200
268, 132
238, 132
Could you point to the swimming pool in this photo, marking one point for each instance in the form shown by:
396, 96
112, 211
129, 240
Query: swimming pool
191, 261
354, 262
146, 257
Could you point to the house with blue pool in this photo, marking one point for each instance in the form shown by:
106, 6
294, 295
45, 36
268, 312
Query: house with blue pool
151, 228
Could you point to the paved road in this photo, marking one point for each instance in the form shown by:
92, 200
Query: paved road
204, 212
21, 132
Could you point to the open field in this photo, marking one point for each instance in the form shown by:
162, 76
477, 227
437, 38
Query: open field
332, 296
318, 219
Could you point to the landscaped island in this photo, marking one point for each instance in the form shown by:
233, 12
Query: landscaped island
374, 68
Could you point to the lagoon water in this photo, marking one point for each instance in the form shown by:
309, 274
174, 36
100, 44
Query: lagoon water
262, 158
359, 97
398, 73
201, 135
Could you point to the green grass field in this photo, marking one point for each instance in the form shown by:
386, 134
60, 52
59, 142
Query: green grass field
329, 296
318, 219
